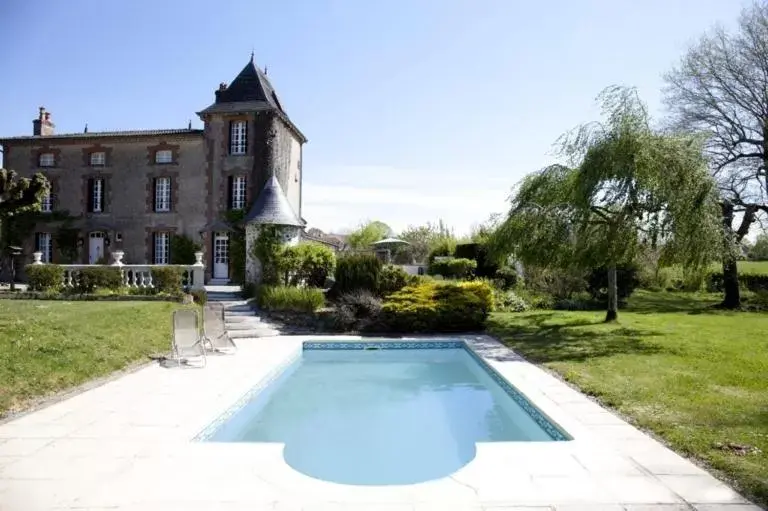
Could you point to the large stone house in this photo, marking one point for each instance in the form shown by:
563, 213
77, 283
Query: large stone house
133, 190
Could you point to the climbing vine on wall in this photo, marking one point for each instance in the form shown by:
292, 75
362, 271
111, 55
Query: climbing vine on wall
267, 249
236, 246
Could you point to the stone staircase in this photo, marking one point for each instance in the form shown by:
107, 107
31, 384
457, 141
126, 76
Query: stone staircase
241, 320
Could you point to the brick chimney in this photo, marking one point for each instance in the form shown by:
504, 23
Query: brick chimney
42, 126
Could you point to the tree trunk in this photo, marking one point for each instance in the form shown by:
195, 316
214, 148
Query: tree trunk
732, 298
613, 295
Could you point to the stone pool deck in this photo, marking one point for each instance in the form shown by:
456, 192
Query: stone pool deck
127, 445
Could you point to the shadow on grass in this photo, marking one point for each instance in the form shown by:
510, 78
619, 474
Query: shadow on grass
666, 302
540, 341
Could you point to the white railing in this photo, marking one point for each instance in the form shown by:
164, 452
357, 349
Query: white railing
137, 276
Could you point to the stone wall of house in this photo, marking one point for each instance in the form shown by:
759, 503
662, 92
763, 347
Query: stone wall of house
128, 176
286, 159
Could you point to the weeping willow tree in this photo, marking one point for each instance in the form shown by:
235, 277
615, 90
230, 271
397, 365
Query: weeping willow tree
625, 185
18, 196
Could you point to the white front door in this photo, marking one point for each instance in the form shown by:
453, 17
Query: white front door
220, 255
95, 247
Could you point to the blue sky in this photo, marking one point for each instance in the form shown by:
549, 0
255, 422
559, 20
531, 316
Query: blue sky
415, 109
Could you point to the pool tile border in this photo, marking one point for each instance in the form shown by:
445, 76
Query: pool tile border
555, 432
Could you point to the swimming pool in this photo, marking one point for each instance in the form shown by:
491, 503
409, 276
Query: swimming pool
383, 413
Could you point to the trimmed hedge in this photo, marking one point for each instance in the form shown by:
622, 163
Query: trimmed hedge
753, 281
167, 279
44, 277
356, 272
478, 253
87, 280
433, 307
458, 268
284, 298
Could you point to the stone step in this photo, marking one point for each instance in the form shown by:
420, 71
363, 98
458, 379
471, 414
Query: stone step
238, 313
238, 308
244, 325
241, 319
253, 333
224, 298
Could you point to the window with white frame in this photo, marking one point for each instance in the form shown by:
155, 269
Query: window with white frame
46, 206
162, 248
96, 195
164, 156
44, 244
238, 193
98, 159
238, 136
46, 160
162, 194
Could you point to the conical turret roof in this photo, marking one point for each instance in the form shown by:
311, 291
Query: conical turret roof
272, 207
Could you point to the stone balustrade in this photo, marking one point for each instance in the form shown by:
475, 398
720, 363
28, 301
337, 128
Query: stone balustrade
136, 275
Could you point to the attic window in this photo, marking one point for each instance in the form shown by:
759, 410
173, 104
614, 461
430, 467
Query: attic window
98, 159
46, 160
164, 156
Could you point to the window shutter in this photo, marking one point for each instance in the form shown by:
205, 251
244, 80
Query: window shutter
245, 137
170, 194
89, 199
154, 194
37, 242
229, 143
230, 192
103, 194
152, 253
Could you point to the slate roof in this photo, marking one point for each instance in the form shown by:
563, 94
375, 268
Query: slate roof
100, 134
272, 207
250, 91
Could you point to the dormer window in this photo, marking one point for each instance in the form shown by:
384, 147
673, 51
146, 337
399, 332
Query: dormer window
238, 132
46, 160
98, 159
164, 156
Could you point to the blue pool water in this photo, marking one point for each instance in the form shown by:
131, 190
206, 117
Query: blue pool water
381, 417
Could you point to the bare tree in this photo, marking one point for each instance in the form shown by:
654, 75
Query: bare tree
720, 88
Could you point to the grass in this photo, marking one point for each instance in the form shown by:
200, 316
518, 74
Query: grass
758, 267
49, 346
693, 375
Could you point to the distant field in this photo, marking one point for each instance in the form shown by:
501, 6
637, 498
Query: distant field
754, 267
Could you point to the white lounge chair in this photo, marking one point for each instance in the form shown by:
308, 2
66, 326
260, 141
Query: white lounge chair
187, 342
215, 337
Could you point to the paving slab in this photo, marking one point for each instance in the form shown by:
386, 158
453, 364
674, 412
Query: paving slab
131, 444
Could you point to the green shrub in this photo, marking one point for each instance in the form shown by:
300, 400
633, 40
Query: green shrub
555, 283
167, 279
355, 272
433, 307
444, 248
306, 263
183, 249
482, 290
393, 278
626, 282
505, 277
200, 296
752, 281
88, 279
358, 310
285, 298
44, 277
457, 268
478, 253
508, 301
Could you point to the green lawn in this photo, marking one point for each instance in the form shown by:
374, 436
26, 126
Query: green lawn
47, 346
695, 376
760, 267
